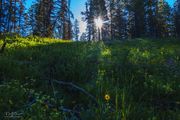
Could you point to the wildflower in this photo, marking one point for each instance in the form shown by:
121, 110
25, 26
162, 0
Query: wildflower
107, 97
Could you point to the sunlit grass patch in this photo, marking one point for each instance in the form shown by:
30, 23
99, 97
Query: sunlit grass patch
106, 52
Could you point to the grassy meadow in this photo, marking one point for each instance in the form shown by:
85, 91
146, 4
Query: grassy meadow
49, 79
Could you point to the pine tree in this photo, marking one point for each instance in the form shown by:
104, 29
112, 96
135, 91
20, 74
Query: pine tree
63, 15
95, 9
30, 20
21, 18
64, 24
117, 19
163, 19
76, 30
151, 22
51, 18
43, 13
177, 17
112, 12
101, 11
136, 18
139, 13
11, 15
2, 16
89, 19
130, 19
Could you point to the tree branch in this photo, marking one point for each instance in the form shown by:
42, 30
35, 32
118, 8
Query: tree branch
76, 87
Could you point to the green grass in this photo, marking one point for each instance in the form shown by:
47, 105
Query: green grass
141, 76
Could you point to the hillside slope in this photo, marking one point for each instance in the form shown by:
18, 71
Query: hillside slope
54, 79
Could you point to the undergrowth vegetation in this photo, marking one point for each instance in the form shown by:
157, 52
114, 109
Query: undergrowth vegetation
42, 78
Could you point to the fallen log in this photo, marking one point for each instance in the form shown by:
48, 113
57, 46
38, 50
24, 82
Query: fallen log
76, 87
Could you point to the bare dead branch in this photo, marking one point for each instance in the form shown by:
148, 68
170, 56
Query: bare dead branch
76, 87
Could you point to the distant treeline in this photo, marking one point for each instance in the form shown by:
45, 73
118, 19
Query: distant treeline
133, 18
122, 19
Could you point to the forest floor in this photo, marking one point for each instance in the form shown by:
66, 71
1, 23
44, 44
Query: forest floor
42, 78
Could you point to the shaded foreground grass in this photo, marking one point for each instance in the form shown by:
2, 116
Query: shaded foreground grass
140, 77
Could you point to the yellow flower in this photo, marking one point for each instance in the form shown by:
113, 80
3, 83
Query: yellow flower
107, 97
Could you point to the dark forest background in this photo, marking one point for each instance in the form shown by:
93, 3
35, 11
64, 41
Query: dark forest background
122, 19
